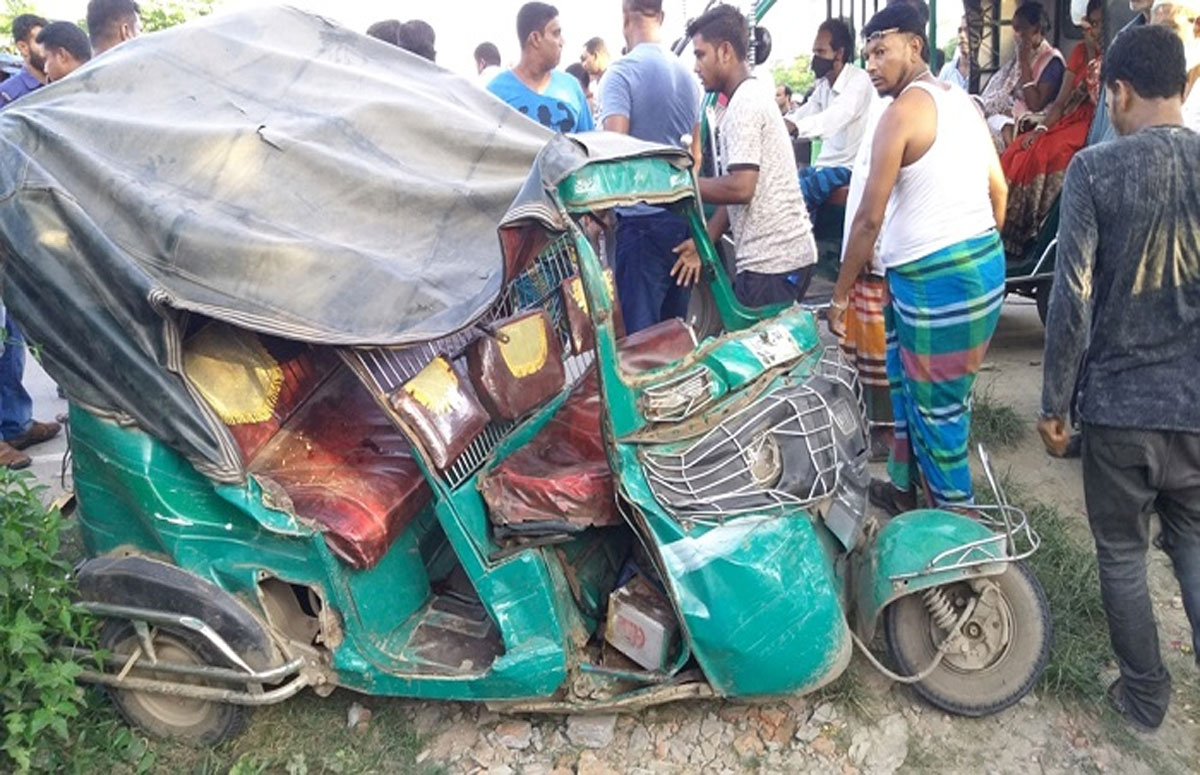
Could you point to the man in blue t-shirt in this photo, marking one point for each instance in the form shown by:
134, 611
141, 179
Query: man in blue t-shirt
552, 98
653, 96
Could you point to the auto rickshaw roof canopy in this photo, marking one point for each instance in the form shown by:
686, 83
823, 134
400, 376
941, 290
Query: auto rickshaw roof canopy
268, 169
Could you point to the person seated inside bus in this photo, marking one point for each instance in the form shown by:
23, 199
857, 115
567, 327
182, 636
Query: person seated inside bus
958, 70
836, 112
1035, 162
1028, 82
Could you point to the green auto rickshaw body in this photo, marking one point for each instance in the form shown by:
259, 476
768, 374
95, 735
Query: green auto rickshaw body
763, 597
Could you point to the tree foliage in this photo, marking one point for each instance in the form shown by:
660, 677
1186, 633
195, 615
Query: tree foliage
161, 14
9, 10
795, 74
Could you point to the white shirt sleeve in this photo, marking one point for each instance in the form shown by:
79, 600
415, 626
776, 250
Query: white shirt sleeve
843, 108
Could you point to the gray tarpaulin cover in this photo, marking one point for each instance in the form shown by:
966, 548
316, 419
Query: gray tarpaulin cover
269, 169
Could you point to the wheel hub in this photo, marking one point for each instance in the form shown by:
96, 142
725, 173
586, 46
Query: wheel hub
985, 637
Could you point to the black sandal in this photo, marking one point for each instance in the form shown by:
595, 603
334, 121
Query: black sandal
886, 496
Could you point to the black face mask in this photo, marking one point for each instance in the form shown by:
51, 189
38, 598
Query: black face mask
821, 66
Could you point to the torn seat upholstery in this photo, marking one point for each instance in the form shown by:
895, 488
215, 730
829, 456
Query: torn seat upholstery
562, 474
314, 432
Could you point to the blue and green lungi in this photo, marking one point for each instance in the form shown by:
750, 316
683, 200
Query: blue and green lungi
943, 310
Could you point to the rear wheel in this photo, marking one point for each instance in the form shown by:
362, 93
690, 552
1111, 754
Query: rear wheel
1004, 648
200, 722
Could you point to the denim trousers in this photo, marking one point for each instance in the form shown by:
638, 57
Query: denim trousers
1128, 474
16, 407
644, 258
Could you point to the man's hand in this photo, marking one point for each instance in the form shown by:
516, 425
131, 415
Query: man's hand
1055, 435
687, 268
835, 316
1030, 138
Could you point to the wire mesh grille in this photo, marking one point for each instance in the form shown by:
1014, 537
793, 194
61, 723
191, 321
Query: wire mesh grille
780, 451
538, 287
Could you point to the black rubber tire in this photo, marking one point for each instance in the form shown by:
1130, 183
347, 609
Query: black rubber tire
703, 315
197, 722
911, 647
1042, 298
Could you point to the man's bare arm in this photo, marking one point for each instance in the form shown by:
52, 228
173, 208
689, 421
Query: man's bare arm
736, 188
887, 155
617, 124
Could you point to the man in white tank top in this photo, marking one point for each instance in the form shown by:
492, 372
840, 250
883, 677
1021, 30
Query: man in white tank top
944, 259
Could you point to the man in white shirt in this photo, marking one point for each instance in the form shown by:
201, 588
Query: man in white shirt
836, 112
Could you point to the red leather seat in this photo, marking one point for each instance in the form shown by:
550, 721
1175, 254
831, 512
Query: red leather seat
336, 455
562, 474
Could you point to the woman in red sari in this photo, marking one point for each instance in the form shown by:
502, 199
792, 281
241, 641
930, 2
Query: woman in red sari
1036, 161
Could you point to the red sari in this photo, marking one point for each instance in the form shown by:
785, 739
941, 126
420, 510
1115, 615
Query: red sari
1035, 175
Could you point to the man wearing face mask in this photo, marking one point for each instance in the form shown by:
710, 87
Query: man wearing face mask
836, 112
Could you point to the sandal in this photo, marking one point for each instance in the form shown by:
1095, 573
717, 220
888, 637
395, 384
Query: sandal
12, 459
38, 432
886, 496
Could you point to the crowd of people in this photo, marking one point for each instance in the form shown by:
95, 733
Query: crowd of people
939, 185
50, 51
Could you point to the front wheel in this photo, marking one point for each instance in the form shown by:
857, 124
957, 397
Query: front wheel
1004, 645
199, 722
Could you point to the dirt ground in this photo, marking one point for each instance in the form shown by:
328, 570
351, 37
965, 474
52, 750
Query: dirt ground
865, 724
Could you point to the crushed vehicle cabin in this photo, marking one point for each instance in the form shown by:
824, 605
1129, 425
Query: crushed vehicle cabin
328, 431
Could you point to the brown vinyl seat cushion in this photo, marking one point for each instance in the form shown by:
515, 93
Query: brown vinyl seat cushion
562, 474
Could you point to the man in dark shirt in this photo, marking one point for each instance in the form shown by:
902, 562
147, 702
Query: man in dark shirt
1127, 293
32, 76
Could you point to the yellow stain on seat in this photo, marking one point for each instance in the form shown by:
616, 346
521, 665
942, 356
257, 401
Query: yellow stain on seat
234, 373
523, 345
435, 386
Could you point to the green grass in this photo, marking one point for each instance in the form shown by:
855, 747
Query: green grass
306, 735
848, 692
994, 424
1065, 564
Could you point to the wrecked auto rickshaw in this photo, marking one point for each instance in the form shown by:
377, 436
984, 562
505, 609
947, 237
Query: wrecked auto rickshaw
293, 476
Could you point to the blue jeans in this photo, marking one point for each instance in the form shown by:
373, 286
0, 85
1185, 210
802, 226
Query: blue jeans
16, 407
818, 183
644, 259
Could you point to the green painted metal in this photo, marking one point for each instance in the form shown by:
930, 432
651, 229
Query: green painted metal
734, 315
603, 185
137, 495
908, 544
758, 597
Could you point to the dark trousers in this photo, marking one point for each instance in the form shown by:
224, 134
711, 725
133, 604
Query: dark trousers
755, 289
644, 257
1127, 474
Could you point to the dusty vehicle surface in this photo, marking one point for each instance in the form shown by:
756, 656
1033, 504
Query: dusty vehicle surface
329, 431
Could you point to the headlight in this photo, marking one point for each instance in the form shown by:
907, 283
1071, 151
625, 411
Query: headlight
680, 397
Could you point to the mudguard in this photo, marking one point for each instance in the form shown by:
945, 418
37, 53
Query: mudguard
139, 582
909, 544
